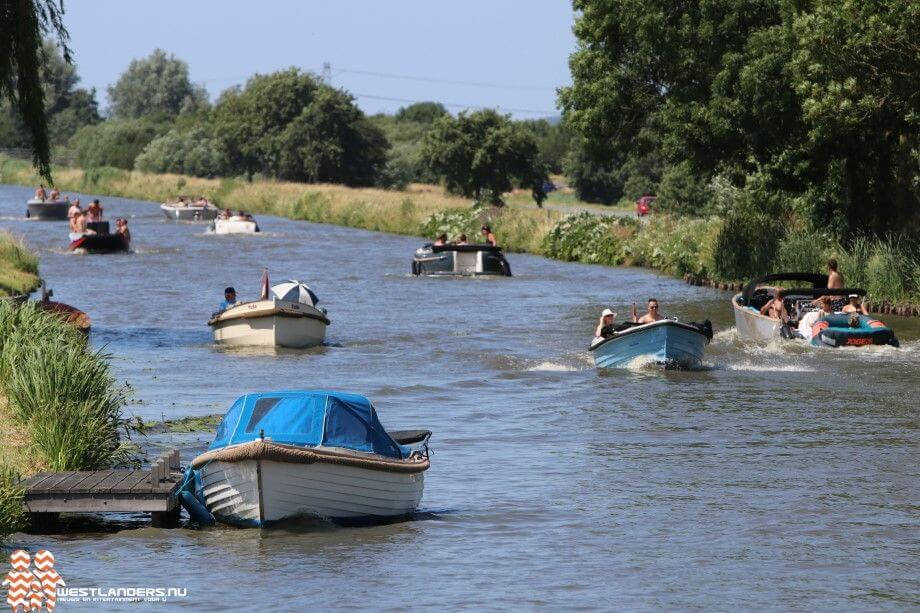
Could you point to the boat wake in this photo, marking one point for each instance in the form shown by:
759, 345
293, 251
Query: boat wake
553, 367
751, 366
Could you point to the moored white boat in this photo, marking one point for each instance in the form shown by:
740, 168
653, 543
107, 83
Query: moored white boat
189, 212
668, 342
47, 210
281, 455
234, 225
287, 318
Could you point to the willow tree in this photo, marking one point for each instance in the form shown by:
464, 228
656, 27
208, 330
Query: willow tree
23, 26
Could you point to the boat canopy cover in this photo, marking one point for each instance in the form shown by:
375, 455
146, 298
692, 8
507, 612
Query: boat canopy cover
295, 291
816, 280
308, 418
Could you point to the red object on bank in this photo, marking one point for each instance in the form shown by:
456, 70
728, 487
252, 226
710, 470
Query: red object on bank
643, 205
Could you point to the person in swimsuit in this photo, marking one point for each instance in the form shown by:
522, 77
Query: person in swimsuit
651, 314
775, 309
490, 237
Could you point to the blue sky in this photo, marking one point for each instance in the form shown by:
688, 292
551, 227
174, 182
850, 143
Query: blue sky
504, 53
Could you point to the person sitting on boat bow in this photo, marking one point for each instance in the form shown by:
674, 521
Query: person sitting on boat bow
441, 240
40, 193
855, 305
229, 300
462, 240
94, 211
121, 227
651, 314
490, 237
73, 212
605, 325
775, 309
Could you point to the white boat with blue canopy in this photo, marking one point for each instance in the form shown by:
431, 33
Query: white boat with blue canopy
325, 454
668, 342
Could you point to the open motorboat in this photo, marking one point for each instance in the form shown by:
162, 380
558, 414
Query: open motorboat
182, 211
286, 317
47, 210
280, 455
667, 341
235, 225
98, 239
804, 322
460, 260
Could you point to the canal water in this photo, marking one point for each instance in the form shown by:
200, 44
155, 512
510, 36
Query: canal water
777, 477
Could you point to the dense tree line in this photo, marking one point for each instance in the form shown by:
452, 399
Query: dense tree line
811, 107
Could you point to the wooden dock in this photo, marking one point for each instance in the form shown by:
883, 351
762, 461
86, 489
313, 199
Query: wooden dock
153, 491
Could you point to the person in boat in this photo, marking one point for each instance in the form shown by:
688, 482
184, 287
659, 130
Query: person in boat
605, 325
73, 212
855, 305
55, 195
441, 240
490, 237
775, 309
651, 313
226, 214
244, 216
79, 224
810, 318
462, 240
202, 201
229, 300
40, 193
94, 211
181, 201
121, 227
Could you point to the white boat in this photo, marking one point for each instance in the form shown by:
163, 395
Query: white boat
180, 211
47, 210
281, 455
753, 326
234, 225
289, 317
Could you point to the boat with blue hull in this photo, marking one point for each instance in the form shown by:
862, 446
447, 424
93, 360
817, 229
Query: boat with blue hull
668, 342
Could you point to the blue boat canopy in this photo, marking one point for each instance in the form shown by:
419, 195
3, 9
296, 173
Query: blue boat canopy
307, 418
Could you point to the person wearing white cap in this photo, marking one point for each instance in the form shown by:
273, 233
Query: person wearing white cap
854, 305
605, 324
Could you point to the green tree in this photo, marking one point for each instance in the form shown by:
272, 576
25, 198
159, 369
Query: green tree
116, 142
554, 141
194, 152
482, 155
595, 175
421, 112
23, 26
156, 85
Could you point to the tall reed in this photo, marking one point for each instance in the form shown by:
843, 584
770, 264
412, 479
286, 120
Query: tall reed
18, 266
12, 517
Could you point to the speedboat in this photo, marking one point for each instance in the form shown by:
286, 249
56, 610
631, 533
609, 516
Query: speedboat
832, 330
47, 210
287, 454
667, 341
235, 225
98, 239
180, 211
287, 317
460, 260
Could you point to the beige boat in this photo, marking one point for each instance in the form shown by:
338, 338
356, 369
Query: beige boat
270, 323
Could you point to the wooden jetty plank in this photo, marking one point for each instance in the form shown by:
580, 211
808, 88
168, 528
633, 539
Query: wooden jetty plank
90, 484
93, 504
73, 480
49, 484
129, 484
36, 479
113, 480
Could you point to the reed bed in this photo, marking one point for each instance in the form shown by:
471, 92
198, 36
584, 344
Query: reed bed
18, 266
12, 517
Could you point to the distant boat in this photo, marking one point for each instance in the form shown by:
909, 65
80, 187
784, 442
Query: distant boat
460, 260
47, 210
667, 342
280, 455
179, 211
100, 240
235, 225
288, 317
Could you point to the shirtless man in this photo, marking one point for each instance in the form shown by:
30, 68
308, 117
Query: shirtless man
121, 227
834, 278
775, 308
73, 212
855, 305
94, 211
441, 240
40, 193
55, 194
651, 314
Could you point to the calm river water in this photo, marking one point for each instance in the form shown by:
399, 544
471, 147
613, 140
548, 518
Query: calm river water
776, 478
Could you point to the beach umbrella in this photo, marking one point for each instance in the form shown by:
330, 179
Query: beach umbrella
295, 291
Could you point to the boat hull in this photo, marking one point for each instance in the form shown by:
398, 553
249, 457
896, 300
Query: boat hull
47, 211
270, 323
752, 326
258, 492
460, 261
189, 213
666, 342
100, 243
234, 226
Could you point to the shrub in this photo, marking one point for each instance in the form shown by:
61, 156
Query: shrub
588, 238
675, 245
194, 153
453, 222
746, 245
595, 177
802, 252
684, 192
113, 143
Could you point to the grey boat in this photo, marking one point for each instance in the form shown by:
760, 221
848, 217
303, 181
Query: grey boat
460, 260
189, 212
47, 210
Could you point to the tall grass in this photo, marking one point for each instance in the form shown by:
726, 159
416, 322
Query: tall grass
18, 266
12, 517
63, 392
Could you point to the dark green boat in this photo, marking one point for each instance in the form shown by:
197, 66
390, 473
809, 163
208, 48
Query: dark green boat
460, 260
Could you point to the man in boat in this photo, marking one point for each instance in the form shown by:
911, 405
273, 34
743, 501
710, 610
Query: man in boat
73, 212
121, 227
229, 300
810, 318
651, 313
834, 278
462, 240
55, 194
226, 214
775, 309
441, 240
855, 305
40, 193
604, 327
78, 226
490, 237
94, 211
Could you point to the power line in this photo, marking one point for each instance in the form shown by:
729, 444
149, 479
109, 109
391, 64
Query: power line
454, 105
387, 75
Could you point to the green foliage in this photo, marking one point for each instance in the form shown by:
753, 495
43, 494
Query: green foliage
453, 223
595, 175
157, 85
12, 517
194, 152
746, 245
553, 142
421, 112
676, 245
684, 192
63, 392
18, 266
114, 143
802, 252
593, 239
482, 155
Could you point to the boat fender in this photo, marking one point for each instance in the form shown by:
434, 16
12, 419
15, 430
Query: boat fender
506, 267
28, 214
257, 228
197, 512
416, 268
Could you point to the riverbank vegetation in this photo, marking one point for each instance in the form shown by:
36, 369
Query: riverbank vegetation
18, 267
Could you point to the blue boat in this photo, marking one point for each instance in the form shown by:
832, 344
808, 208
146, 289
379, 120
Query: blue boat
668, 342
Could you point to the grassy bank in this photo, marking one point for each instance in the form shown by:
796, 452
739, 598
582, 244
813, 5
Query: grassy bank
60, 408
18, 267
742, 245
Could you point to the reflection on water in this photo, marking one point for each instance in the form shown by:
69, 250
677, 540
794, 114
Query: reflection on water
781, 476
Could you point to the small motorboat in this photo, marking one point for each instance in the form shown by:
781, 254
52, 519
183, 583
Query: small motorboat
287, 454
460, 260
98, 239
70, 314
668, 342
182, 211
832, 330
287, 317
235, 225
47, 210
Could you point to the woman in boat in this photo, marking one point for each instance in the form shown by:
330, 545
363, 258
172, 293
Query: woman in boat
490, 237
121, 227
810, 318
605, 325
775, 309
226, 214
855, 305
